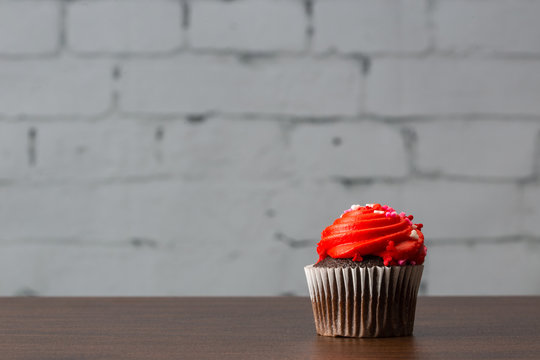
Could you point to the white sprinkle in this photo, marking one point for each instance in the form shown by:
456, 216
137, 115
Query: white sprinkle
355, 207
370, 205
414, 235
415, 227
378, 212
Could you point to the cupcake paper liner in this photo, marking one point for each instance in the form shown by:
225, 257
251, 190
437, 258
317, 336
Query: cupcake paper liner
378, 301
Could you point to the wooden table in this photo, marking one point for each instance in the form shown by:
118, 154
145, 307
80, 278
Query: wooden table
257, 328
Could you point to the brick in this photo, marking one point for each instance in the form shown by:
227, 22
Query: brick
494, 26
124, 26
226, 149
429, 86
204, 84
371, 25
55, 87
29, 27
59, 212
89, 151
477, 148
531, 213
364, 150
14, 156
483, 269
460, 210
250, 25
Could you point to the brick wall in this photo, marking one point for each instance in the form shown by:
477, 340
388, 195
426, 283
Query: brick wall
198, 147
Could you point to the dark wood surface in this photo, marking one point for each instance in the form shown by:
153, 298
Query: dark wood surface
257, 328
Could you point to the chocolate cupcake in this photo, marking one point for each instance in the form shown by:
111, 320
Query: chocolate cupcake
366, 281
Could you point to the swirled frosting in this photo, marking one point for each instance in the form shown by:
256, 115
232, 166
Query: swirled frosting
377, 230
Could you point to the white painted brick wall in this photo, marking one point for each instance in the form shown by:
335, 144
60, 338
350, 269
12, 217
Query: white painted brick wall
48, 87
14, 156
371, 25
454, 210
124, 25
502, 149
453, 86
483, 269
43, 213
144, 142
208, 84
172, 211
531, 199
29, 27
216, 149
493, 26
251, 25
363, 150
74, 270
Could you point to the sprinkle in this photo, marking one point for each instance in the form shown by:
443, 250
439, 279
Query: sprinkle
387, 214
357, 258
414, 235
394, 214
384, 207
355, 207
402, 262
370, 205
408, 221
402, 214
378, 212
414, 227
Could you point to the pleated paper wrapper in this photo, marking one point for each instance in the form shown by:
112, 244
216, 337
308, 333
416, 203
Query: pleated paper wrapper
377, 301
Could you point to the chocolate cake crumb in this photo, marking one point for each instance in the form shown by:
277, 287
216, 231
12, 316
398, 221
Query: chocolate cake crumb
368, 261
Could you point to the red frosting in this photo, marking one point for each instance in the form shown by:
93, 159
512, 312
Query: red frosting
377, 230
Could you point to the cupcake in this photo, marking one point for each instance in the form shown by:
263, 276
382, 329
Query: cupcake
366, 280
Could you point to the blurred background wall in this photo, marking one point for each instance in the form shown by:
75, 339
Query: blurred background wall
199, 147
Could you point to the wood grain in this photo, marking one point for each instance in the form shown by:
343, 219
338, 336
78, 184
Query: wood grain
257, 328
